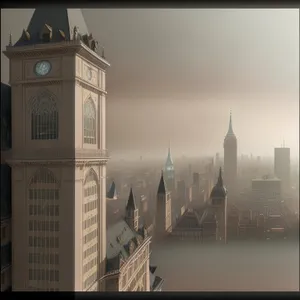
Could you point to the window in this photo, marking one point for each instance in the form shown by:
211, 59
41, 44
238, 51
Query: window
89, 122
44, 118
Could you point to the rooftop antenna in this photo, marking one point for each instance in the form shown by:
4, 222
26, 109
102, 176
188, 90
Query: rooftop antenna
283, 143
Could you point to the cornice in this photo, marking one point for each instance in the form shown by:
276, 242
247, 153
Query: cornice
89, 86
50, 156
66, 162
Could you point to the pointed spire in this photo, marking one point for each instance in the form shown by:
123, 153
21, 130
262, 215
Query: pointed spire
169, 161
112, 193
230, 130
162, 186
131, 201
220, 179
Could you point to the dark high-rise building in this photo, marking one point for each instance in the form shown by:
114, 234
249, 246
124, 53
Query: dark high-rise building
218, 198
282, 167
230, 159
163, 216
5, 188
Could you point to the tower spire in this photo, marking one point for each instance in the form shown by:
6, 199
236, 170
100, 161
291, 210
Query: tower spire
162, 186
220, 179
230, 130
131, 201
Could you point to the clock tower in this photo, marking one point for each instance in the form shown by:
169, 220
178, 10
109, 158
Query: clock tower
59, 154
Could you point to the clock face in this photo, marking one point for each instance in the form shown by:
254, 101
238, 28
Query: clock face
42, 68
89, 74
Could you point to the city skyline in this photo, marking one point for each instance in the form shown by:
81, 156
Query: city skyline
188, 77
200, 103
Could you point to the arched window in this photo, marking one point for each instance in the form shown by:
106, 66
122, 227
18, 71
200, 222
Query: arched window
44, 118
89, 122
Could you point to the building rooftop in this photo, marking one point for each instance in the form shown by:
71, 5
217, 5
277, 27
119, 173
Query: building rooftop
58, 20
112, 193
121, 243
162, 185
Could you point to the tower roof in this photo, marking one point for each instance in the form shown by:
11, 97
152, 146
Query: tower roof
169, 161
112, 193
61, 21
230, 130
162, 186
219, 190
131, 201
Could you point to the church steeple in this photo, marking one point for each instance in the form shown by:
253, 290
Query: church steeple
131, 201
131, 212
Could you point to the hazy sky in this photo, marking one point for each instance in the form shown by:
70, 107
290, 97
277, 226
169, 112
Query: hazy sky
176, 73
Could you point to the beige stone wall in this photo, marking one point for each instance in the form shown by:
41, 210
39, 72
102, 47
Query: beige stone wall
69, 86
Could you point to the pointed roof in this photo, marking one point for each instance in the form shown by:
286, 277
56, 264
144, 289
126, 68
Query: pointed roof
220, 179
58, 19
162, 186
169, 161
219, 190
230, 130
131, 201
112, 193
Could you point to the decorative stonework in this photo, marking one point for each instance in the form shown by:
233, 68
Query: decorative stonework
90, 87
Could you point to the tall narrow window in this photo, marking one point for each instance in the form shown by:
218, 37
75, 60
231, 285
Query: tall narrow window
44, 118
43, 194
89, 122
90, 232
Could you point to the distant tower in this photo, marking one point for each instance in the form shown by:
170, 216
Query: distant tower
230, 159
169, 171
163, 222
112, 193
131, 212
282, 167
218, 198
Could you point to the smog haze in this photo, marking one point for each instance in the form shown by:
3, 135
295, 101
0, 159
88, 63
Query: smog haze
175, 74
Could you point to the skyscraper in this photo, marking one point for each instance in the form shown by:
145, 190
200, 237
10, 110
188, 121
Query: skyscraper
58, 154
218, 198
163, 217
230, 159
170, 172
282, 167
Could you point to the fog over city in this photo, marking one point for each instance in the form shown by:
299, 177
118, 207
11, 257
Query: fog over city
183, 157
175, 74
247, 266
